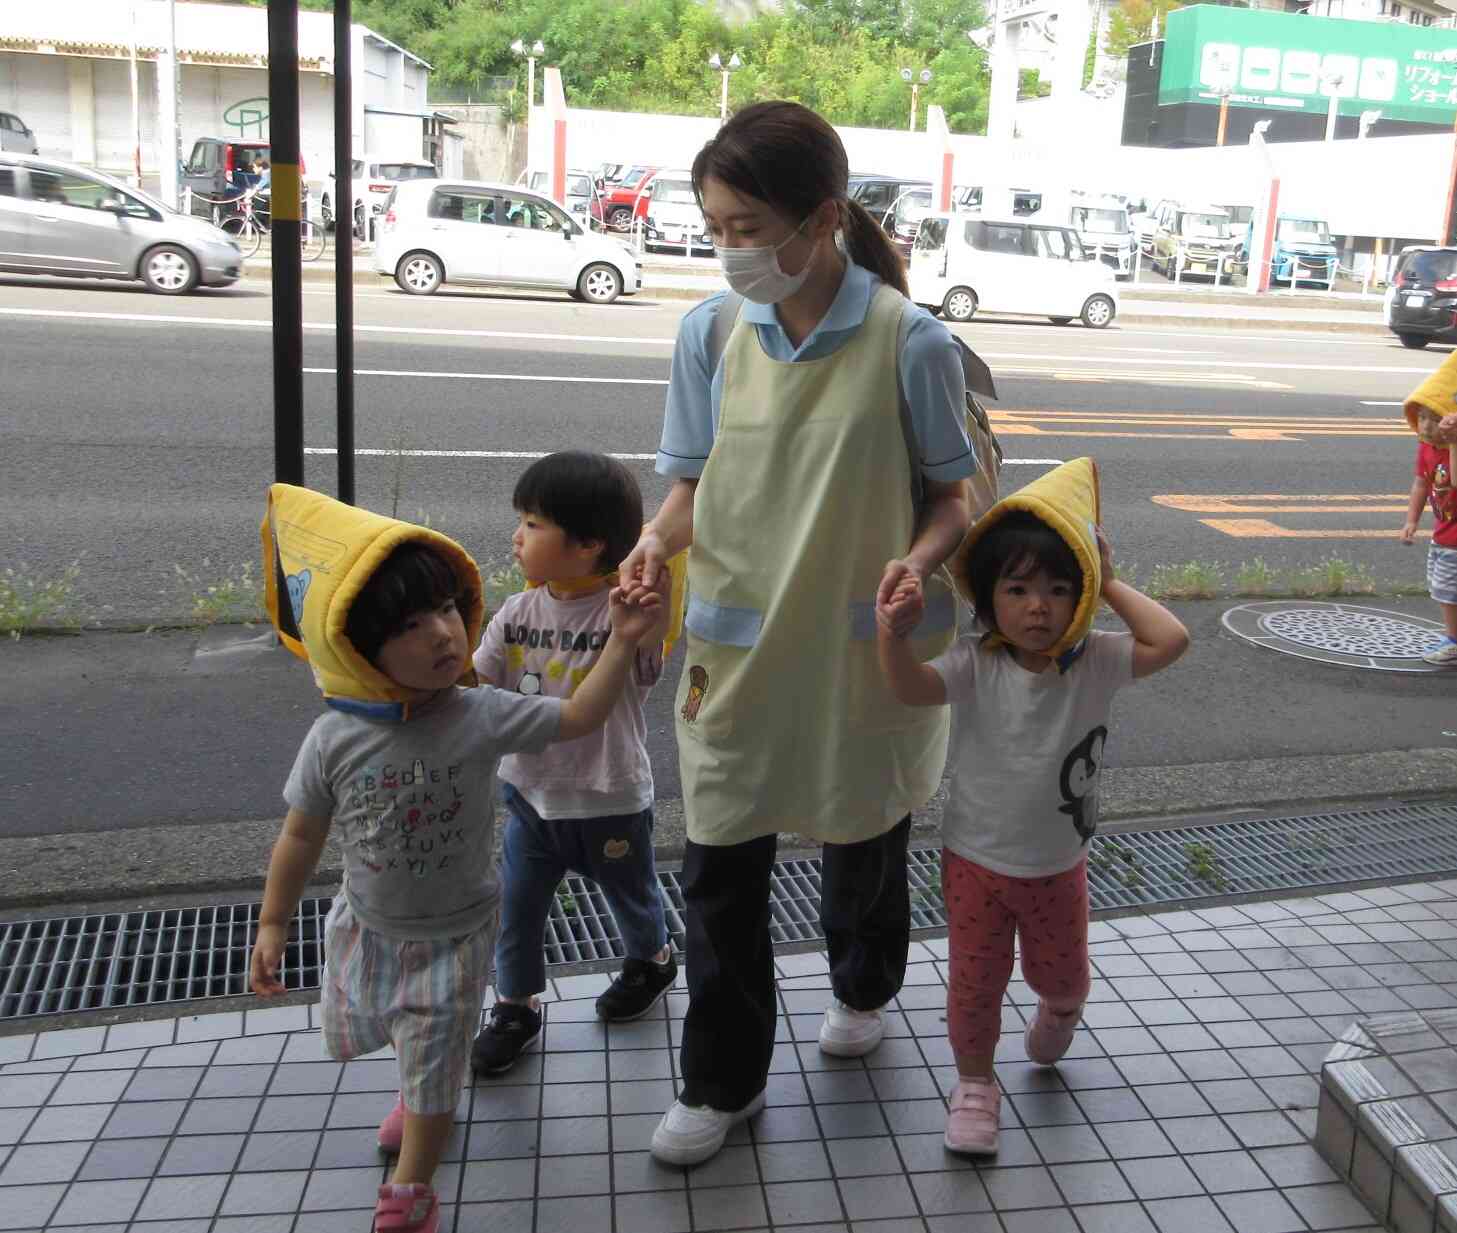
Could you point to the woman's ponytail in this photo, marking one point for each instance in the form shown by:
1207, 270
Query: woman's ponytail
869, 246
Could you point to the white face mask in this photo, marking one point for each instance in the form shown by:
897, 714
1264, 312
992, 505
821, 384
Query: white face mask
755, 273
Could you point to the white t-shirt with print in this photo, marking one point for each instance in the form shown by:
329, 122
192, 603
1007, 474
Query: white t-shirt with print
1026, 753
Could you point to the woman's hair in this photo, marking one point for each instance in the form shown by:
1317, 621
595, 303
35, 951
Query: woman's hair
1018, 545
590, 496
788, 157
414, 578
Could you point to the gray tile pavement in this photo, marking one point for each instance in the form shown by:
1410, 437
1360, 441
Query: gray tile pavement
1186, 1104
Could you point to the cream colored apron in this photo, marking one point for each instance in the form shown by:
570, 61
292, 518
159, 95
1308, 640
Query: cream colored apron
784, 721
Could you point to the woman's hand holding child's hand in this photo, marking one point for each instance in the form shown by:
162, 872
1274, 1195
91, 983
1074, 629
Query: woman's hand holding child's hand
900, 612
637, 613
267, 956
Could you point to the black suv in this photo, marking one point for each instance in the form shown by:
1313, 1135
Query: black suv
1421, 304
879, 193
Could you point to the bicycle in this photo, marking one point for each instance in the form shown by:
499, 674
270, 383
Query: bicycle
248, 224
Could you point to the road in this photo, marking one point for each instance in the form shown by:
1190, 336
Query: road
136, 435
137, 430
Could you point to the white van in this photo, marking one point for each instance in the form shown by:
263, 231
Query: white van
674, 221
1102, 225
962, 263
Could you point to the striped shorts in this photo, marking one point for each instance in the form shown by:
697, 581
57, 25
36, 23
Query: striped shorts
424, 998
1442, 573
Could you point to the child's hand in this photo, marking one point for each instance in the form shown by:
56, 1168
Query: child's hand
636, 615
267, 956
1105, 555
898, 615
1408, 532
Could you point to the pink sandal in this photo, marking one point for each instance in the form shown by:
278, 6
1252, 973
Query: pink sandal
1050, 1034
972, 1123
392, 1129
411, 1208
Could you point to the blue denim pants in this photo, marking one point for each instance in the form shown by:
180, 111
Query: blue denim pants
616, 852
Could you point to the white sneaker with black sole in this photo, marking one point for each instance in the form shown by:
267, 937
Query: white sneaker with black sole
690, 1134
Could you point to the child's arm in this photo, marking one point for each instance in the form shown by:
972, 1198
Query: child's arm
1416, 504
912, 682
295, 856
587, 709
1159, 637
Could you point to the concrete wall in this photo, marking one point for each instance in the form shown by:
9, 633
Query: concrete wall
491, 151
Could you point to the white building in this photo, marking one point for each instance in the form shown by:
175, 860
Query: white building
65, 69
1414, 12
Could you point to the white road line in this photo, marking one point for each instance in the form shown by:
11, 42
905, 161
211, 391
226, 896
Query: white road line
1365, 403
494, 376
375, 453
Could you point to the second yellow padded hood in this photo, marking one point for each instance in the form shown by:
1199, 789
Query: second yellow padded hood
318, 554
1437, 393
1067, 499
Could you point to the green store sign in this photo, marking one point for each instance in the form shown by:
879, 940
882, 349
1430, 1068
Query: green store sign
1290, 62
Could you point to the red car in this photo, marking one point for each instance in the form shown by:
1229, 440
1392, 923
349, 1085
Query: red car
625, 200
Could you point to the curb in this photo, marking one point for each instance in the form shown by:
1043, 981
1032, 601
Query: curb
79, 872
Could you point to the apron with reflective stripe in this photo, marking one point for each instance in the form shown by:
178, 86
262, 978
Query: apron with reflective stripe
784, 721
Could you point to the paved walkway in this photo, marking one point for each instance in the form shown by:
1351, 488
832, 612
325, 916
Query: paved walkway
1185, 1106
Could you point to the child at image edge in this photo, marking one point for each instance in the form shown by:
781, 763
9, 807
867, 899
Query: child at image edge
1436, 464
408, 942
1029, 736
586, 805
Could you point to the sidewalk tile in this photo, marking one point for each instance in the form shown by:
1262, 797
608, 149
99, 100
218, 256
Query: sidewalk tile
1160, 1178
951, 1192
50, 1162
1221, 1172
1189, 1215
802, 1202
1260, 1211
1096, 1182
1010, 1189
116, 1158
796, 1161
728, 1207
864, 1157
1115, 1218
179, 1198
1135, 1140
662, 1212
263, 1193
587, 1174
573, 1216
22, 1207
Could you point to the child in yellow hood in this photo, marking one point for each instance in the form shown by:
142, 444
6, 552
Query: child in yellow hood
1436, 464
403, 768
1032, 698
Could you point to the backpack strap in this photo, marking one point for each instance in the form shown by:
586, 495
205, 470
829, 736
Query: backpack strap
908, 425
725, 317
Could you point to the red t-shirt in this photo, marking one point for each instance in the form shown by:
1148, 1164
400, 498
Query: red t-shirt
1434, 466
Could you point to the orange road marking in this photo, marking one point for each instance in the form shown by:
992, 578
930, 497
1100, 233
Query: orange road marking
1258, 528
1285, 503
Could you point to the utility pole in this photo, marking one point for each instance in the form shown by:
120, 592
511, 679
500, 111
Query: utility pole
286, 202
344, 249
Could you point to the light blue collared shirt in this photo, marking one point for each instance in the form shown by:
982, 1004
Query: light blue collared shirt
930, 373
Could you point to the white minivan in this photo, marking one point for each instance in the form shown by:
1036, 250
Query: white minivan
468, 231
961, 264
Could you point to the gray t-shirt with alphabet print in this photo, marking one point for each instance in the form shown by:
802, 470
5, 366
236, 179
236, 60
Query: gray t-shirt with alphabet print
413, 804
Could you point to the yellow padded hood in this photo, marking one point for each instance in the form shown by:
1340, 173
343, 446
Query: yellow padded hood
1437, 393
1067, 499
318, 554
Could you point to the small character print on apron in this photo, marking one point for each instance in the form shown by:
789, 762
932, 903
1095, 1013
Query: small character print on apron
616, 849
697, 687
530, 684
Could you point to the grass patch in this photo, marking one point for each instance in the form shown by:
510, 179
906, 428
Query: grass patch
1333, 576
236, 597
500, 584
1189, 580
1253, 579
1258, 579
29, 601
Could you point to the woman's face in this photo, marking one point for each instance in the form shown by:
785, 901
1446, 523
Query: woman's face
736, 220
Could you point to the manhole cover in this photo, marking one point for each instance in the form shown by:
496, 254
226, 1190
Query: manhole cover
1332, 633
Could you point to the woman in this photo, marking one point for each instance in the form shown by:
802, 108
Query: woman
793, 488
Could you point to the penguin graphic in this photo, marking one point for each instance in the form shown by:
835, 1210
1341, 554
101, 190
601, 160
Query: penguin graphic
1078, 782
530, 683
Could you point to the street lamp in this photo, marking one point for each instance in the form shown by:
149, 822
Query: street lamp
916, 80
1332, 81
734, 64
531, 54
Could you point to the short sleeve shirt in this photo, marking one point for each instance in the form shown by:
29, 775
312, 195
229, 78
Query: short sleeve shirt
1434, 464
1027, 753
413, 805
930, 369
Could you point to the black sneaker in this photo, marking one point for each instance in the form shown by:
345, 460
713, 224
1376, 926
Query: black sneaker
638, 988
507, 1034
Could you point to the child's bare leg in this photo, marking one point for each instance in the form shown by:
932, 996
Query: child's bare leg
423, 1145
1449, 619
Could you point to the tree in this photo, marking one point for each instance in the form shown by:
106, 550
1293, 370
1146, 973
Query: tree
1132, 22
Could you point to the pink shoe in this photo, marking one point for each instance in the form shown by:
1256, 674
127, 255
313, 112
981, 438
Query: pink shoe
1050, 1034
972, 1122
392, 1129
407, 1209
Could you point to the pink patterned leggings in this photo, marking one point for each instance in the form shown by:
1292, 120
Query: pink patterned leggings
986, 912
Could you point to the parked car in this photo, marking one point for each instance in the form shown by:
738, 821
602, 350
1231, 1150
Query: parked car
373, 179
674, 222
14, 135
470, 231
627, 199
1421, 302
905, 217
584, 202
962, 264
1303, 250
219, 169
65, 220
879, 193
1102, 225
1193, 239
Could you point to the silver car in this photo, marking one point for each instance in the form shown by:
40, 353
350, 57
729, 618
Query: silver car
59, 219
15, 135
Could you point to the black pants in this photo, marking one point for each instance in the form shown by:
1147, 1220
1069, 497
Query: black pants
865, 910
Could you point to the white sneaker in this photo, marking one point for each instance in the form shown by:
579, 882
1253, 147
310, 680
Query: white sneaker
690, 1134
1444, 655
850, 1033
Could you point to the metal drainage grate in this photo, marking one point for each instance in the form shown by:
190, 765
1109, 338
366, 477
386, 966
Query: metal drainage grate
69, 964
1333, 633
